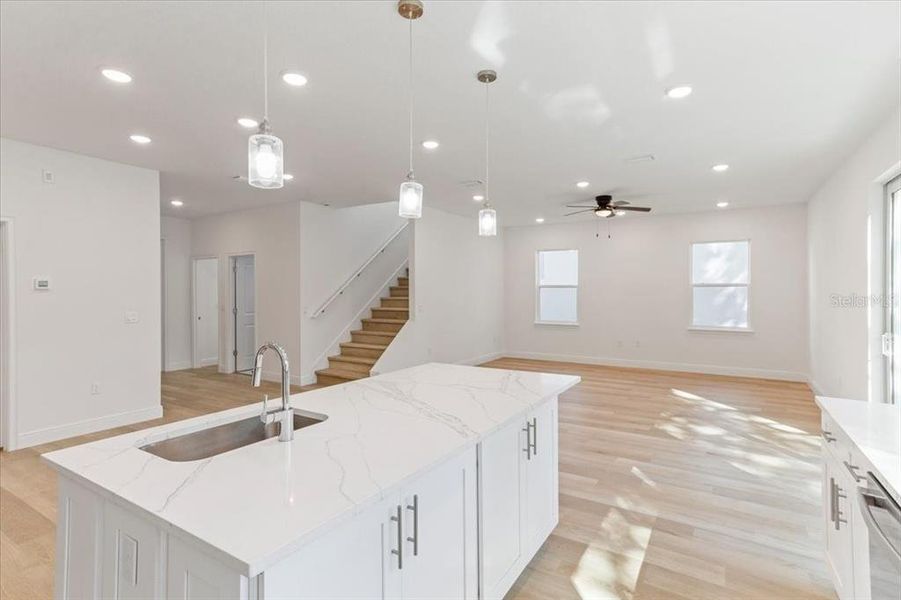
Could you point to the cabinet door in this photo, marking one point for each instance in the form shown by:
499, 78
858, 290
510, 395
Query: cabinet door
354, 560
78, 542
440, 532
839, 543
501, 484
194, 575
541, 501
132, 561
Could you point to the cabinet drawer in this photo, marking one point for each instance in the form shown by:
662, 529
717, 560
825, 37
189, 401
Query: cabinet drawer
834, 439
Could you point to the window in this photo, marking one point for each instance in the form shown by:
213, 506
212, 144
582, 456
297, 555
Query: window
720, 278
558, 286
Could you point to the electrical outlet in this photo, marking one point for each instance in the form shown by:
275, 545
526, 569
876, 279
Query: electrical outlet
95, 388
47, 176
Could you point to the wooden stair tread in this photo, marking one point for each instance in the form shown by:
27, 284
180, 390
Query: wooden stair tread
353, 359
392, 308
387, 334
363, 346
390, 321
342, 373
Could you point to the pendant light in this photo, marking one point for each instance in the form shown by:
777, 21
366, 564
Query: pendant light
265, 152
409, 203
487, 216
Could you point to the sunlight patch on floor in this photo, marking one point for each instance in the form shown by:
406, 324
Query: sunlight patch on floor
605, 574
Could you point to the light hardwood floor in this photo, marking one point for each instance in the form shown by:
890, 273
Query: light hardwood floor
671, 486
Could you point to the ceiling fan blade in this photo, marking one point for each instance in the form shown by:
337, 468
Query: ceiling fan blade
580, 205
579, 211
620, 203
634, 208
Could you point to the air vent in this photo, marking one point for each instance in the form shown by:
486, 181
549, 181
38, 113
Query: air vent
472, 183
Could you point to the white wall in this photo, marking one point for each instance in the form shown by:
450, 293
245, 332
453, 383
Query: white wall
456, 295
635, 297
272, 234
334, 244
176, 235
95, 232
844, 226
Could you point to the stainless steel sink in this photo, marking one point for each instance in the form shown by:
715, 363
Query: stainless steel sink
222, 438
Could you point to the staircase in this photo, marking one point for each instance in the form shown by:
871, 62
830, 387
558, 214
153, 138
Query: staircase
367, 344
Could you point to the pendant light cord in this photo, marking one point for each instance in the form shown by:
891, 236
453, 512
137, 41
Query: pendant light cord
265, 65
487, 198
411, 97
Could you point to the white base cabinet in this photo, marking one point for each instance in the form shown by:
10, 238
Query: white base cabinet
465, 529
519, 496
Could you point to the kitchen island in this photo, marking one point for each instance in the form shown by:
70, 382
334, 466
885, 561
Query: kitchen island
434, 481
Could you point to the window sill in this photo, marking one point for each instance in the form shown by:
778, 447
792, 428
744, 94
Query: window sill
558, 323
722, 329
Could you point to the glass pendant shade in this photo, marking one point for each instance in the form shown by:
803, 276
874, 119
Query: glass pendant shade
410, 200
487, 222
265, 161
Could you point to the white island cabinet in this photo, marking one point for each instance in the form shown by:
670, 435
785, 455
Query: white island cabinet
438, 481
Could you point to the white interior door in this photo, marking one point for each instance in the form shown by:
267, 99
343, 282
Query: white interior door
244, 312
206, 312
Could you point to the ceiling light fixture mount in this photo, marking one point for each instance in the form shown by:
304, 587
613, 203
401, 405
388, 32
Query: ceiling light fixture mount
409, 204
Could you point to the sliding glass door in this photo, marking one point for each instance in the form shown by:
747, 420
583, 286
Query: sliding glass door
891, 340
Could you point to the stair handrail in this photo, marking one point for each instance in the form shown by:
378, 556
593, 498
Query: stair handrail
358, 272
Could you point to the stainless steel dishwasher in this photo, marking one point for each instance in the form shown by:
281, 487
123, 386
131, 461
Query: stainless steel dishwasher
883, 518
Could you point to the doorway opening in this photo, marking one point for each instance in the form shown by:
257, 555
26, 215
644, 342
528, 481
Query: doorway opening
205, 311
243, 298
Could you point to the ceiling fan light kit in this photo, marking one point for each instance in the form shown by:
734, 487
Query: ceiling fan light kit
606, 208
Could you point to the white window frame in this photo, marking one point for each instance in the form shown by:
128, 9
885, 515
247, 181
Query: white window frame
692, 285
538, 287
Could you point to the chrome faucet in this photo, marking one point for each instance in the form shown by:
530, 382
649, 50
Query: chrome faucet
284, 415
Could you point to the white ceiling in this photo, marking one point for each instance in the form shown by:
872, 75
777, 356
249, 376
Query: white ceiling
781, 92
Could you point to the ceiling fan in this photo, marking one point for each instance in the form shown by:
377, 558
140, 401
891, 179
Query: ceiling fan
606, 207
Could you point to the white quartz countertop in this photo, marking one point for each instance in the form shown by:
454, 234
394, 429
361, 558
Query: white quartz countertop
255, 505
876, 431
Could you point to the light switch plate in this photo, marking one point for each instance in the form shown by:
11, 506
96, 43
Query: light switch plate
41, 283
131, 316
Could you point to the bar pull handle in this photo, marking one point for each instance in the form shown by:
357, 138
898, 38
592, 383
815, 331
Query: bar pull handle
838, 509
534, 443
832, 499
853, 469
827, 435
400, 538
528, 448
414, 539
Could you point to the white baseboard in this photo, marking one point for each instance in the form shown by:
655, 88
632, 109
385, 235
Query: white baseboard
208, 362
61, 432
308, 379
179, 366
814, 387
666, 366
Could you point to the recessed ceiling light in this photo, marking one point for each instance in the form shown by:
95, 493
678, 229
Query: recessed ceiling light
722, 204
430, 144
176, 202
139, 139
720, 168
539, 220
680, 91
295, 79
116, 75
248, 123
478, 197
287, 177
582, 184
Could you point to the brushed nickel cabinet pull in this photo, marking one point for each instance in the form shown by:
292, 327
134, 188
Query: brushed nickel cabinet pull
534, 443
400, 538
853, 470
827, 435
528, 448
415, 537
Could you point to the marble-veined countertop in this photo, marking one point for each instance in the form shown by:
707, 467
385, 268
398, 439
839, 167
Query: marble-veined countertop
255, 505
